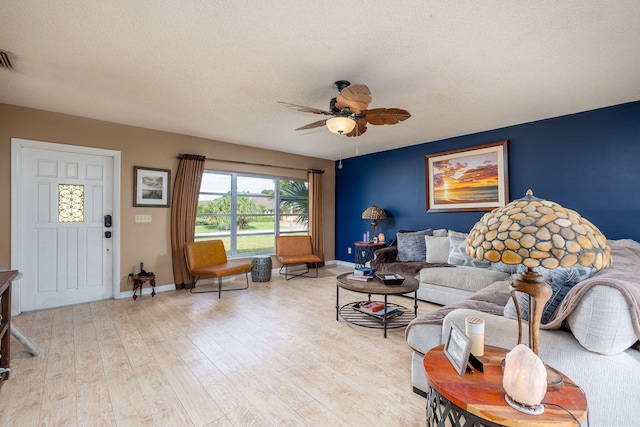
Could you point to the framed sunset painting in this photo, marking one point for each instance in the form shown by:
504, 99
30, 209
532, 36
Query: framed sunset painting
469, 179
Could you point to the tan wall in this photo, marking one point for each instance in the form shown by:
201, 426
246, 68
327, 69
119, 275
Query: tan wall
147, 242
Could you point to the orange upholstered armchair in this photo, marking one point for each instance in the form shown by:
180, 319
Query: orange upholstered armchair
293, 250
208, 259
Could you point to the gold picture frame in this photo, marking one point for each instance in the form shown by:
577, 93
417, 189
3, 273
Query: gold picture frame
468, 179
151, 187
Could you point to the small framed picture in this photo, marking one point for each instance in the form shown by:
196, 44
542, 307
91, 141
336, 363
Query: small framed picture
151, 187
457, 348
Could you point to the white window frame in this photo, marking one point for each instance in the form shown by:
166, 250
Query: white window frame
233, 216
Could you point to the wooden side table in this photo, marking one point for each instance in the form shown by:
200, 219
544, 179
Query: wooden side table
478, 399
261, 268
6, 277
138, 281
365, 251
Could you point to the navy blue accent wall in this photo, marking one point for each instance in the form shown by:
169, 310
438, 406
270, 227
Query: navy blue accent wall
588, 162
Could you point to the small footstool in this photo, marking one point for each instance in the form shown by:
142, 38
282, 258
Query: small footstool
261, 268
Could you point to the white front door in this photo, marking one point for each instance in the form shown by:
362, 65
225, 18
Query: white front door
65, 247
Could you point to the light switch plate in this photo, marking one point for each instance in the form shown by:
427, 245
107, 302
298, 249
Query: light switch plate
143, 218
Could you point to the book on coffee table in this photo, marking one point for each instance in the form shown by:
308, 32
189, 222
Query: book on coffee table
377, 312
359, 278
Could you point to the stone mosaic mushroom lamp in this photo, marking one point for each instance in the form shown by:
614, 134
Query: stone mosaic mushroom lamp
374, 213
537, 233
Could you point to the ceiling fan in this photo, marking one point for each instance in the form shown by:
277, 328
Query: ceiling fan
348, 114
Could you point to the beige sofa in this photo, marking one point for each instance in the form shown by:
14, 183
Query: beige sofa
593, 338
437, 258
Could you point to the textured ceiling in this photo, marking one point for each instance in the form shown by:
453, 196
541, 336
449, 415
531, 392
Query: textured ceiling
215, 69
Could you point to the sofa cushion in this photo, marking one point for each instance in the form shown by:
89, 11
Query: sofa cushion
458, 251
467, 278
437, 248
411, 246
601, 322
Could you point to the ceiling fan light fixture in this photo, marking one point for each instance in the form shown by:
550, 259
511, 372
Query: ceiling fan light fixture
341, 125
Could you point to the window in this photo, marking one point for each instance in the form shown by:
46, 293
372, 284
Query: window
258, 207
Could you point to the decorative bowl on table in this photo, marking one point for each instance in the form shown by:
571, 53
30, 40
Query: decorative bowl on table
390, 279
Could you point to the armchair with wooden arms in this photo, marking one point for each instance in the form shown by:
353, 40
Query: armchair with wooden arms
294, 250
208, 259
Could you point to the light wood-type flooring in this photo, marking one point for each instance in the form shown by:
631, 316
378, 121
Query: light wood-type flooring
271, 355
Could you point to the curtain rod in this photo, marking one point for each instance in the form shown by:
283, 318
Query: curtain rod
259, 164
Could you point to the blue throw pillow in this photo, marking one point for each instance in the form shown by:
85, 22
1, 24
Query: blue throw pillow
411, 246
561, 281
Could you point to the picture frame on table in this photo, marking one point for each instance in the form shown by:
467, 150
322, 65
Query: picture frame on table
151, 187
468, 179
457, 348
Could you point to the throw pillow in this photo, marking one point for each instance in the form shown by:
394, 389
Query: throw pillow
550, 308
440, 232
510, 307
458, 251
561, 281
437, 249
411, 246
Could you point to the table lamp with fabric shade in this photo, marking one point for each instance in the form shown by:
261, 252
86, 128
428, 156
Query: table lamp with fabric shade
374, 213
537, 233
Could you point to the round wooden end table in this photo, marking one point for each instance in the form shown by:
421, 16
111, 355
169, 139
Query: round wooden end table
351, 312
478, 399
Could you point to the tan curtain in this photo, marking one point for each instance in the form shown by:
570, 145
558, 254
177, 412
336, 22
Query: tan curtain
184, 207
316, 227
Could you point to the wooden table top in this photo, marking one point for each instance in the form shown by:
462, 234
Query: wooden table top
144, 278
370, 244
375, 286
482, 394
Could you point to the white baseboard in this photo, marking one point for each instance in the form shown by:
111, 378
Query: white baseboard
146, 289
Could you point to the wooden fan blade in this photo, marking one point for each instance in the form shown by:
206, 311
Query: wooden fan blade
313, 125
356, 97
361, 127
305, 109
386, 116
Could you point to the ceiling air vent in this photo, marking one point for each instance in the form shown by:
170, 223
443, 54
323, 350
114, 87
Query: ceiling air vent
6, 60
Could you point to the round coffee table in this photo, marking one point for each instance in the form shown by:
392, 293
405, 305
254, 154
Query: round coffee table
354, 314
